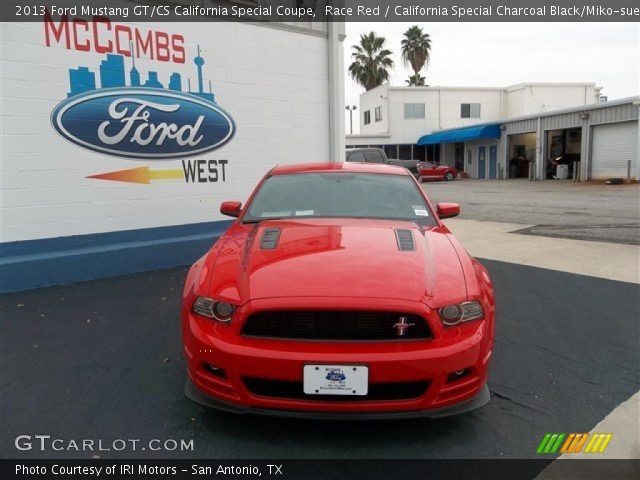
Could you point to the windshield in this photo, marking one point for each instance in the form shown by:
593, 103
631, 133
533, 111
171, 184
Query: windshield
352, 195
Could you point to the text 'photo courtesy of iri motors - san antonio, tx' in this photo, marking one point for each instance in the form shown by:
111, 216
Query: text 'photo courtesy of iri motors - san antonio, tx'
118, 109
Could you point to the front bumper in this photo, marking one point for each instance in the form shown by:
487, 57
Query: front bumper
480, 400
238, 359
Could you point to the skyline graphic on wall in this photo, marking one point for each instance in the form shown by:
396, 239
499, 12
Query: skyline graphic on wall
113, 75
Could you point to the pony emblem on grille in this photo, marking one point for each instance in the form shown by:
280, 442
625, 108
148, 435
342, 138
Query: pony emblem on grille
402, 326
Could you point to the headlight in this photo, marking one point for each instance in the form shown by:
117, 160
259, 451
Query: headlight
462, 312
221, 311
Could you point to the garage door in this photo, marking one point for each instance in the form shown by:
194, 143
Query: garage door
614, 145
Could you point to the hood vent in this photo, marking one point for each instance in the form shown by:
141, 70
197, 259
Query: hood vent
405, 240
270, 237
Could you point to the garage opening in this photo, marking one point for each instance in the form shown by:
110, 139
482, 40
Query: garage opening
563, 153
522, 154
615, 151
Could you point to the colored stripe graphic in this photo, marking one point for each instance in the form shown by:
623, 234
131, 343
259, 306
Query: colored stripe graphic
550, 443
569, 441
574, 442
140, 175
598, 442
580, 443
606, 442
543, 443
556, 445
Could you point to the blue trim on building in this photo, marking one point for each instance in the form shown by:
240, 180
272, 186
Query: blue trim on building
461, 134
54, 261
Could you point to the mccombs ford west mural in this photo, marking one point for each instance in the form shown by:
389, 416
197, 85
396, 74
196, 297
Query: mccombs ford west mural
117, 135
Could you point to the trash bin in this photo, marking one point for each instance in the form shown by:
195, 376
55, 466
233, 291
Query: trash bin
562, 172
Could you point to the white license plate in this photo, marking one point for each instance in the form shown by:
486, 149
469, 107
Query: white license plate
336, 380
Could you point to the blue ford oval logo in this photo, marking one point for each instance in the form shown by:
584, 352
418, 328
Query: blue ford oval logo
336, 375
145, 123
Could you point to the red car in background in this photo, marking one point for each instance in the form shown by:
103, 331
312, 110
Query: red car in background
338, 292
431, 171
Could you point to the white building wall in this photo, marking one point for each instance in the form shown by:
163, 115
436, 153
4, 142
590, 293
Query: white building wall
515, 102
451, 100
271, 81
443, 107
528, 99
409, 130
377, 97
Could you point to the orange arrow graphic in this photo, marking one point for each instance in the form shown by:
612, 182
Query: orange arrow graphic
140, 175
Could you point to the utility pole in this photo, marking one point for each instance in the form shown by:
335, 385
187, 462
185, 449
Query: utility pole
351, 109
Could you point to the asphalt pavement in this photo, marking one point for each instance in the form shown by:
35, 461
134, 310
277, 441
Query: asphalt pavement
103, 360
553, 208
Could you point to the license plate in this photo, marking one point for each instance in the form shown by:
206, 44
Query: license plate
336, 380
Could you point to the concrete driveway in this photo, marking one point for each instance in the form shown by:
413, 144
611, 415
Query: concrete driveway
585, 211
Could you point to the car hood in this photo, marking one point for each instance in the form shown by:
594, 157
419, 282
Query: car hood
337, 258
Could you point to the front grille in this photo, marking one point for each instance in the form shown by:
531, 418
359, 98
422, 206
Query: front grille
295, 390
335, 325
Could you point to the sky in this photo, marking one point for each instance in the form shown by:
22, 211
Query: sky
501, 54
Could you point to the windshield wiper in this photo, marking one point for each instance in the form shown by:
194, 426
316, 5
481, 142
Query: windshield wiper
258, 220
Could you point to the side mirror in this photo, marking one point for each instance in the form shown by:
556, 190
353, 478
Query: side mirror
448, 210
231, 209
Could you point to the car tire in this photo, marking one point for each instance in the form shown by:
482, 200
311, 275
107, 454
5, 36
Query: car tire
449, 176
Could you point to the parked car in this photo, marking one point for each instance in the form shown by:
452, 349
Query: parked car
338, 292
432, 171
564, 159
378, 155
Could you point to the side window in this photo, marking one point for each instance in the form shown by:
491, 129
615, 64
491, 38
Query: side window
356, 157
367, 117
373, 156
378, 113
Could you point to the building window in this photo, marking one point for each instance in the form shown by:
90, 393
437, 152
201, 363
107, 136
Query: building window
469, 110
378, 114
420, 153
405, 152
367, 117
413, 110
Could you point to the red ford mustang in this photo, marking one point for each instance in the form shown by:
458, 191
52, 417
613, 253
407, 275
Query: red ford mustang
337, 291
431, 171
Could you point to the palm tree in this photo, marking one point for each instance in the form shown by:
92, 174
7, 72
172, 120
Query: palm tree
416, 47
416, 80
371, 62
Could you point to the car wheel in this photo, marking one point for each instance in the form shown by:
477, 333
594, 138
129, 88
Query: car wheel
448, 176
